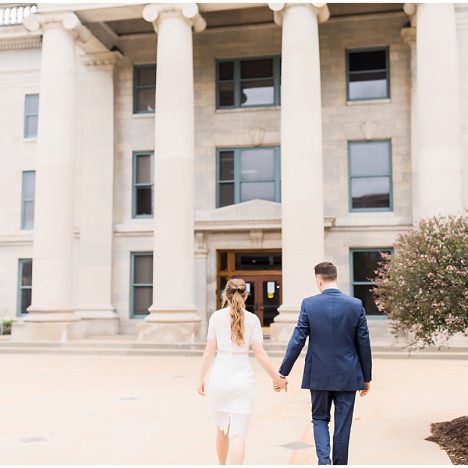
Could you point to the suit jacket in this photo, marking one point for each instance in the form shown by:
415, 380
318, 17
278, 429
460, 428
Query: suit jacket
339, 353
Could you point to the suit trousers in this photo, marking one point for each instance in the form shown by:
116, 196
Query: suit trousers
321, 406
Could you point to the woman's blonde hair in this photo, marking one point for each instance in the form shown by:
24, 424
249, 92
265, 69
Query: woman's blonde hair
235, 294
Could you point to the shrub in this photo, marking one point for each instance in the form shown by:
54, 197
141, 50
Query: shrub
423, 287
7, 324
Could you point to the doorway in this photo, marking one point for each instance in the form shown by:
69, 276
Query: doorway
261, 271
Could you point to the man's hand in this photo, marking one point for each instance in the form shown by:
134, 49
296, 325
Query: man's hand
366, 390
279, 384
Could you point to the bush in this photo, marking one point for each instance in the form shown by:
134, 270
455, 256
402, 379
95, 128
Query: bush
7, 324
423, 287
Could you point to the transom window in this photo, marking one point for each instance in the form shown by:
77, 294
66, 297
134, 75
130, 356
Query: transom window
246, 174
24, 284
368, 74
248, 82
144, 88
364, 262
370, 175
142, 185
31, 115
27, 199
141, 283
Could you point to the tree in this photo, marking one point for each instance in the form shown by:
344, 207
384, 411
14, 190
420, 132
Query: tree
423, 287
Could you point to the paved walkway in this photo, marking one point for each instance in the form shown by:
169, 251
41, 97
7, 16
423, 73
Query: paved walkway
145, 410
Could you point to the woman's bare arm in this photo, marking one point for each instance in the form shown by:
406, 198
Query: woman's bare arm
265, 362
206, 363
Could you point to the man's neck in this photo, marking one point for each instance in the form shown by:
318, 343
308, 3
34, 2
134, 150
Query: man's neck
330, 286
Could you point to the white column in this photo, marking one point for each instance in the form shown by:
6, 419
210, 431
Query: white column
438, 115
96, 201
51, 315
301, 158
173, 316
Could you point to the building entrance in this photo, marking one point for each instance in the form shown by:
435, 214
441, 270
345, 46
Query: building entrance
261, 271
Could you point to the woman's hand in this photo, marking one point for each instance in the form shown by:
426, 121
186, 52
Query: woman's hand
201, 388
280, 383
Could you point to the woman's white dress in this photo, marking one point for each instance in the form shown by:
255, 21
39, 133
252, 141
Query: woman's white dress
231, 383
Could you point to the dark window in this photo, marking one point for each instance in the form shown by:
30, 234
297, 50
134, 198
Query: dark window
258, 261
141, 296
370, 175
143, 184
248, 82
247, 174
144, 88
364, 262
24, 284
368, 75
27, 199
31, 115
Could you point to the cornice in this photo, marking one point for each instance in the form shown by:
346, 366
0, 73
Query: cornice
17, 43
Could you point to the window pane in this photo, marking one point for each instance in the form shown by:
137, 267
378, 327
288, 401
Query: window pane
365, 294
26, 273
257, 92
258, 261
143, 269
25, 300
257, 190
146, 76
28, 215
370, 159
370, 60
226, 194
365, 263
368, 86
143, 163
31, 126
257, 164
223, 259
143, 298
226, 94
370, 192
145, 100
226, 70
32, 103
226, 165
29, 183
144, 197
257, 68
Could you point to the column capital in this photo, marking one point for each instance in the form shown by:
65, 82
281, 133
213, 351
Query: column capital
66, 20
411, 9
156, 12
320, 9
103, 60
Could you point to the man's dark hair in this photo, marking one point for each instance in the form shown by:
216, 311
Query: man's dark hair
326, 270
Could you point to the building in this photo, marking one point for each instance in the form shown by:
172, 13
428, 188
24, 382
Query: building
150, 152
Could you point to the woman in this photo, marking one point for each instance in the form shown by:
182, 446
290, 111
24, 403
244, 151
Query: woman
231, 384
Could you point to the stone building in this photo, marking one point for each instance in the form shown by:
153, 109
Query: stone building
151, 152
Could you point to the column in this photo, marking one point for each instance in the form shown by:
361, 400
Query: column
438, 125
96, 196
301, 158
51, 314
173, 316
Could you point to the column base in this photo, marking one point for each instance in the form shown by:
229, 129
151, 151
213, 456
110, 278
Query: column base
51, 332
99, 320
169, 325
283, 325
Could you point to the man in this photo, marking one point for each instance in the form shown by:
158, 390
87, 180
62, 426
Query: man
338, 360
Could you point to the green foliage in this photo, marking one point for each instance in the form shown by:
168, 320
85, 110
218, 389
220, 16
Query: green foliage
423, 287
7, 324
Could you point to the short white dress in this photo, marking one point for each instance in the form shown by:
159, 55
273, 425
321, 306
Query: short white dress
231, 383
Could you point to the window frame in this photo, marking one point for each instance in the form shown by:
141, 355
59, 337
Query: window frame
137, 88
353, 283
30, 114
133, 285
20, 286
387, 70
24, 200
237, 81
135, 184
237, 170
390, 176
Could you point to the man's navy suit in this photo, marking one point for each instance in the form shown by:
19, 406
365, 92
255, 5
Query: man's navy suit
337, 363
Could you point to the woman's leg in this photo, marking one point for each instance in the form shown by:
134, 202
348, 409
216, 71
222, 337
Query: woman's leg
222, 446
237, 451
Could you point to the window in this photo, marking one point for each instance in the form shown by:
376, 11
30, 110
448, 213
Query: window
141, 283
368, 75
370, 175
364, 262
248, 82
31, 112
24, 284
144, 88
27, 200
142, 185
248, 173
